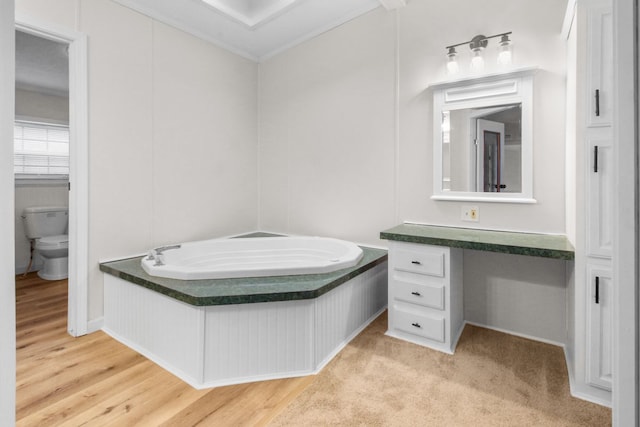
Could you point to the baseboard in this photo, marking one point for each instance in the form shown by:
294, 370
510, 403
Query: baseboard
193, 382
574, 386
516, 334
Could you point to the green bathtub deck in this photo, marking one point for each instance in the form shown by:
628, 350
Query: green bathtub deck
531, 244
243, 290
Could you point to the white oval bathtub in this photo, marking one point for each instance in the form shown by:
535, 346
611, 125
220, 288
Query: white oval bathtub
254, 257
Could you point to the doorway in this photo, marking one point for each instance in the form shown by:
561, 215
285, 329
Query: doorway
41, 147
77, 186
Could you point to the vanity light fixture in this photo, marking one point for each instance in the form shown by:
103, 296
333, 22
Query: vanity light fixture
477, 46
504, 50
452, 62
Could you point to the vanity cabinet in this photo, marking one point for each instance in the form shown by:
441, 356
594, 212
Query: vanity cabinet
425, 294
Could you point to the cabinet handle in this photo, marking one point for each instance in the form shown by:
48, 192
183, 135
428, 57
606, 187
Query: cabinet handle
416, 293
595, 159
597, 290
417, 325
416, 262
597, 102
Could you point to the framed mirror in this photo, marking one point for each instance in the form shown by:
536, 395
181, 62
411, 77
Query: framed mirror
483, 139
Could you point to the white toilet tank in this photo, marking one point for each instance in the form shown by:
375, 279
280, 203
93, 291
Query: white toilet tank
42, 221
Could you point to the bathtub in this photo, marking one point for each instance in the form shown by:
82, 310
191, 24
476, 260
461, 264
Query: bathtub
252, 257
222, 331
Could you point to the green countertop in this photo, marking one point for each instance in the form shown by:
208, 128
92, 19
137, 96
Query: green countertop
244, 290
540, 245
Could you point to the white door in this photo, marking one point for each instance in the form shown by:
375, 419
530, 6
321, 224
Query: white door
600, 327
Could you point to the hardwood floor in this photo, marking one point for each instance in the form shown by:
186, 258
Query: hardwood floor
94, 380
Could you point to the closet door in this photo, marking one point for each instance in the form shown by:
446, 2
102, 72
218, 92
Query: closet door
600, 60
600, 194
600, 327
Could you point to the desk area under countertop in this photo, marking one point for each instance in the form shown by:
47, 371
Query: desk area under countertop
443, 277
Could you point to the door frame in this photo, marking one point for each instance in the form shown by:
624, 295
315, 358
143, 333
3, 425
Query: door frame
77, 320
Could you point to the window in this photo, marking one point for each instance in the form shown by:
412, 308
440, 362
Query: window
41, 150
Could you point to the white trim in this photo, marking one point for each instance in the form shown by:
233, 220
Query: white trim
7, 219
514, 87
253, 21
154, 14
626, 363
476, 197
573, 385
516, 334
490, 77
569, 16
78, 165
329, 26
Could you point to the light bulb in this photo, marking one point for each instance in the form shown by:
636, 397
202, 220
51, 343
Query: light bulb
477, 62
504, 51
452, 62
452, 66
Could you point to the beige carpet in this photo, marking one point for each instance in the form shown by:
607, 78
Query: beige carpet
494, 379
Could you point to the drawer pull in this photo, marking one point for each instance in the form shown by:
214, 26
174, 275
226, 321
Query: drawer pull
417, 325
418, 294
416, 262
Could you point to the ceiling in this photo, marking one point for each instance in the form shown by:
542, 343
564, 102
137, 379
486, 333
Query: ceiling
255, 29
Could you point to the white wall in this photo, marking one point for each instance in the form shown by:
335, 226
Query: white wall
346, 141
172, 137
7, 288
516, 293
426, 27
328, 105
327, 130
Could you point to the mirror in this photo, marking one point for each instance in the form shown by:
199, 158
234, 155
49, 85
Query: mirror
482, 139
482, 149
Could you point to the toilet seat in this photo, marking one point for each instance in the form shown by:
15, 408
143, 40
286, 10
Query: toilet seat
53, 242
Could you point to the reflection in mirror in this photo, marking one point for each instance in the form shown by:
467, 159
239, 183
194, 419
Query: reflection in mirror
483, 138
482, 149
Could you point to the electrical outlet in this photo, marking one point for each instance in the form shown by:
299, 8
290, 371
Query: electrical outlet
470, 213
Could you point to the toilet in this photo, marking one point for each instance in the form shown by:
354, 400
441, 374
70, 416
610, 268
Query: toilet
47, 225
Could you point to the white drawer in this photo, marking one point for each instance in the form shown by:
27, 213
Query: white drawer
429, 261
431, 327
428, 295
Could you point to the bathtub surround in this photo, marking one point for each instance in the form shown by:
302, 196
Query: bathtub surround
243, 290
234, 331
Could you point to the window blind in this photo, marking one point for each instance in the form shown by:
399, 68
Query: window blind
40, 150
